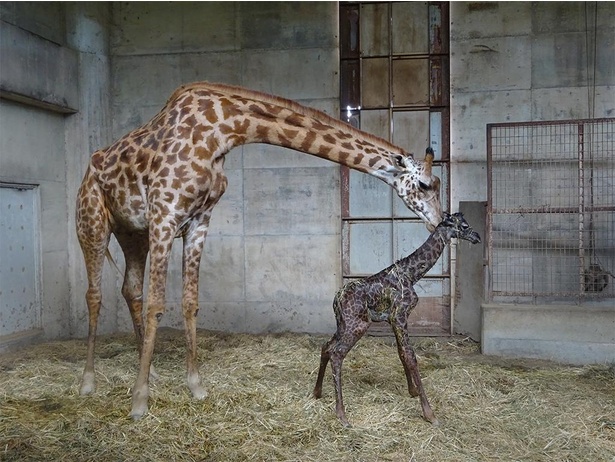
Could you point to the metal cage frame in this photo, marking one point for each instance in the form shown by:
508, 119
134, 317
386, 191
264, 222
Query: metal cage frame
551, 211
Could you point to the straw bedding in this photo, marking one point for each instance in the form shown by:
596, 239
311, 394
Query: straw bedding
260, 407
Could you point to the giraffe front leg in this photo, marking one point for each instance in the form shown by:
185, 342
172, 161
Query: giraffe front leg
159, 259
140, 390
408, 359
193, 378
412, 389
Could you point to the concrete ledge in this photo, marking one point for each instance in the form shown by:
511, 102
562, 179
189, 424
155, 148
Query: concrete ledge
564, 333
36, 71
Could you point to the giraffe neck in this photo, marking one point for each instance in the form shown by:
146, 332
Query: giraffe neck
419, 262
240, 116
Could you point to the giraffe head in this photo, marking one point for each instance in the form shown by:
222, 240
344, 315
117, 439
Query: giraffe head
418, 187
456, 226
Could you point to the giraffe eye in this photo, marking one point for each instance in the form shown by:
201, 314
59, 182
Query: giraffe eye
423, 185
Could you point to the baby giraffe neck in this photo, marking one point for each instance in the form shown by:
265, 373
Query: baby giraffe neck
419, 262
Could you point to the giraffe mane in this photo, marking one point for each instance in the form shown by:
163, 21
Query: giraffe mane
293, 106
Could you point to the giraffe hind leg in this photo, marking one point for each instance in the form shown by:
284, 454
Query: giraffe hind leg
93, 232
135, 247
338, 350
325, 356
193, 243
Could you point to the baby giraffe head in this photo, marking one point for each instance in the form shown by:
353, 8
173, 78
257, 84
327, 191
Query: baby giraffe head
456, 226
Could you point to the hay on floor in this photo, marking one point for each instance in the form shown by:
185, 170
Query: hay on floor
260, 406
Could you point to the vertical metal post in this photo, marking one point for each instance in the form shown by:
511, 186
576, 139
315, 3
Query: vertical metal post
488, 284
581, 148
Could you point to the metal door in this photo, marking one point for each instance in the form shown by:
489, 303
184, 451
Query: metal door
394, 84
19, 273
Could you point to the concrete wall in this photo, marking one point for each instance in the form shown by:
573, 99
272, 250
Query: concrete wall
529, 61
32, 153
43, 82
564, 333
469, 274
272, 258
88, 33
523, 61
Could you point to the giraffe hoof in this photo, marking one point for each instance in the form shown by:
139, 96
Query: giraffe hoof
137, 412
199, 393
344, 421
139, 402
194, 384
433, 421
88, 385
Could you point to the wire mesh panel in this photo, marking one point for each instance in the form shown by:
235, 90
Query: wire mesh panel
551, 217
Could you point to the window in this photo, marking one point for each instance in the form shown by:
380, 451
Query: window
394, 84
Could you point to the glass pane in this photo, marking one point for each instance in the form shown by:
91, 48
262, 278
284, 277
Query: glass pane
376, 122
411, 82
375, 29
369, 197
438, 27
435, 134
370, 247
411, 131
375, 82
349, 31
430, 288
410, 27
350, 92
438, 74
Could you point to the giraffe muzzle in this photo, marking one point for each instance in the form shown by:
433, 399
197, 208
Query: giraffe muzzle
473, 237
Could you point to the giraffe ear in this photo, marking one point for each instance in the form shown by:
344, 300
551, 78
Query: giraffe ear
447, 218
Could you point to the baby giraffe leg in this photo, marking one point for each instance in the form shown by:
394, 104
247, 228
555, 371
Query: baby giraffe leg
337, 358
338, 351
412, 389
408, 359
324, 360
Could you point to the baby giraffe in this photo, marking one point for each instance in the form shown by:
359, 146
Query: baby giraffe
387, 296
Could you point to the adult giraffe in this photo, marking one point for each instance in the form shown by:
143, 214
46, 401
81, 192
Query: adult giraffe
162, 181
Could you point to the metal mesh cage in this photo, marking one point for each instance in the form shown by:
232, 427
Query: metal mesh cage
551, 211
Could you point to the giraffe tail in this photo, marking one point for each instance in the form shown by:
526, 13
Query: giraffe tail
112, 261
